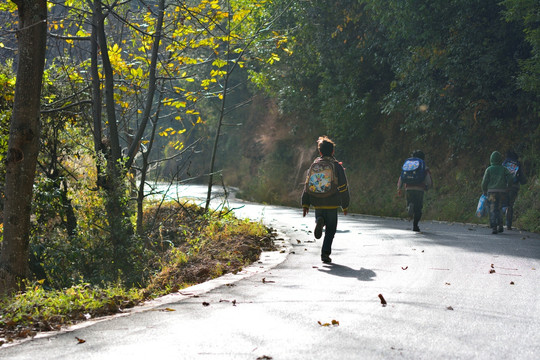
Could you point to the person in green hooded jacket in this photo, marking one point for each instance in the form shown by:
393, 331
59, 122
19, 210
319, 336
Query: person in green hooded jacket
497, 179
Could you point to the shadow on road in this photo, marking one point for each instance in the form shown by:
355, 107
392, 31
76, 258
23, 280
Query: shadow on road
471, 237
345, 271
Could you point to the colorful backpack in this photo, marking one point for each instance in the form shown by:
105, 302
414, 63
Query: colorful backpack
513, 167
413, 171
321, 180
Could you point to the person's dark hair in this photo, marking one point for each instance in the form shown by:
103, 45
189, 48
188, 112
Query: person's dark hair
418, 154
325, 146
511, 154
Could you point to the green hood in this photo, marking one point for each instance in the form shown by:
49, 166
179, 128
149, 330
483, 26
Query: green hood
496, 158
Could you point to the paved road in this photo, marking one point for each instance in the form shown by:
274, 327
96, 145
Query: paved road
453, 292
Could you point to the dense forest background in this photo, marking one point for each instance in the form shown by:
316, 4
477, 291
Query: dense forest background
457, 79
236, 93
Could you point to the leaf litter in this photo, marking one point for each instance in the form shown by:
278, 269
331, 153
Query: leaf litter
330, 324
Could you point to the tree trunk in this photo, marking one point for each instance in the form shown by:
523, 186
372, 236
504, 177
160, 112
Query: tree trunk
111, 176
23, 146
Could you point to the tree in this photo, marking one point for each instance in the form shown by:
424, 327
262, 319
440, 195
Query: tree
245, 26
527, 14
23, 143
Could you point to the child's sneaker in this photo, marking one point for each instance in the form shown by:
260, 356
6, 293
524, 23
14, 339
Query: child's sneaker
318, 227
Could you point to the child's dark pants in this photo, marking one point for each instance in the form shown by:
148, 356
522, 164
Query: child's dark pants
330, 217
496, 200
416, 197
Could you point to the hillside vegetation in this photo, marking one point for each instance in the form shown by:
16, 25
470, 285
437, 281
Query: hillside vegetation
456, 79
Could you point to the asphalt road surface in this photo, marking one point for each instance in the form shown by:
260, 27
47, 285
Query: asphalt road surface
453, 291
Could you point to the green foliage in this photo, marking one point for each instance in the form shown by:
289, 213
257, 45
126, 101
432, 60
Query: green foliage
38, 309
384, 78
176, 236
527, 15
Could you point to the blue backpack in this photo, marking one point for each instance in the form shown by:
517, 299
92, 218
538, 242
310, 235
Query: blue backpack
513, 167
413, 171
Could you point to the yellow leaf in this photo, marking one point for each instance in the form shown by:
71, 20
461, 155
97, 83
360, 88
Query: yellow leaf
219, 63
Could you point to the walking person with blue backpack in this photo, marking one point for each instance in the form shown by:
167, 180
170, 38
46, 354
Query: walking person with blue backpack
416, 178
326, 189
513, 164
495, 184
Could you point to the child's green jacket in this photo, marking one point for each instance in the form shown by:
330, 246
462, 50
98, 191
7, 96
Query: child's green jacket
497, 178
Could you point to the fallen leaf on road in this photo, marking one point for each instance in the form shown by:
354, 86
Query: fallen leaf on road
512, 283
332, 323
447, 283
315, 267
80, 341
449, 308
205, 303
404, 268
168, 309
298, 241
492, 266
264, 357
492, 271
383, 301
264, 281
